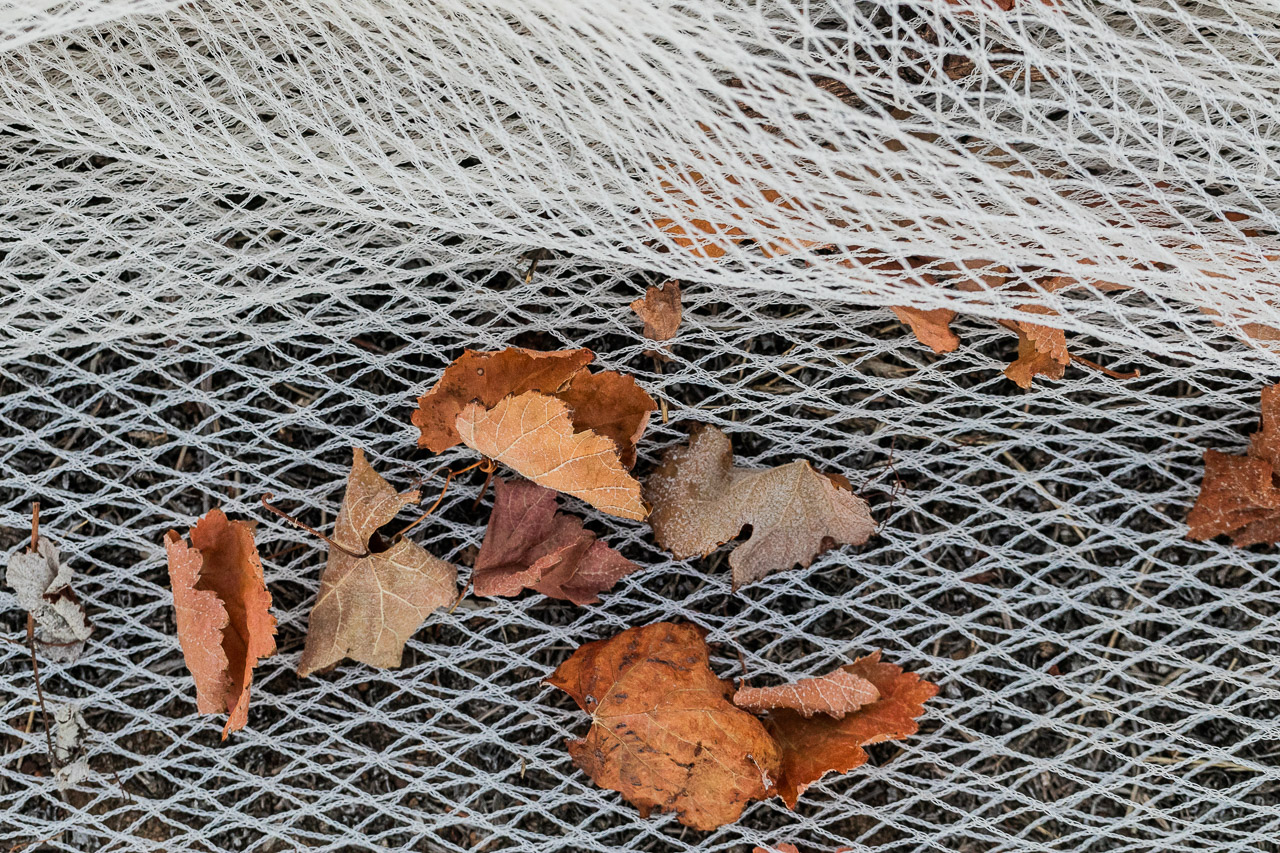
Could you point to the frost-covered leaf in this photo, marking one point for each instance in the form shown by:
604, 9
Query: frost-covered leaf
369, 605
700, 501
42, 584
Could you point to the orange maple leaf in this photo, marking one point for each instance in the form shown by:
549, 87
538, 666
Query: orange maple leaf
606, 402
814, 746
1238, 495
663, 732
222, 608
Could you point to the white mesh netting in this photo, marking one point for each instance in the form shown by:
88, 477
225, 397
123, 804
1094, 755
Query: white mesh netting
238, 238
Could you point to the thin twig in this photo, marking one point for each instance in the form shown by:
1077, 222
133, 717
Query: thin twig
35, 526
35, 672
296, 523
448, 479
1114, 374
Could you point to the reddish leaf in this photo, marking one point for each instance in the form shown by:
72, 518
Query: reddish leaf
222, 610
533, 435
529, 545
374, 595
663, 732
700, 501
835, 694
812, 747
1238, 495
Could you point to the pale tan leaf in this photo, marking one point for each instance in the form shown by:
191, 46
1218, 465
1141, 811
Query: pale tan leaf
533, 434
835, 694
369, 606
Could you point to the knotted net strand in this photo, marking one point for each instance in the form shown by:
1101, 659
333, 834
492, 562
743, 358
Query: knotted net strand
237, 239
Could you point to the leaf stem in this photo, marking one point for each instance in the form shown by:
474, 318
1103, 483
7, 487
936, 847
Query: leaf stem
296, 523
448, 479
35, 526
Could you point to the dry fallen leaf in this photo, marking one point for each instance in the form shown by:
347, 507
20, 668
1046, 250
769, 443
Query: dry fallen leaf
42, 583
222, 608
1238, 495
532, 433
931, 327
374, 594
814, 746
660, 310
529, 545
835, 694
700, 501
663, 732
1042, 350
606, 402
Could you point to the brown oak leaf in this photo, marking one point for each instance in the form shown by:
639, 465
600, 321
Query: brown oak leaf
374, 594
700, 501
529, 545
222, 609
533, 434
606, 402
814, 746
663, 731
660, 310
834, 694
1238, 495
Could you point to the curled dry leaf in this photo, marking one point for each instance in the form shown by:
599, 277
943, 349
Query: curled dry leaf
42, 583
700, 501
607, 402
222, 608
660, 310
814, 746
370, 605
1238, 495
663, 731
931, 327
529, 545
664, 734
1042, 350
70, 762
835, 694
533, 434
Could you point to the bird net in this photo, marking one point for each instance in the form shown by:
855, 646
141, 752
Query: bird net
238, 238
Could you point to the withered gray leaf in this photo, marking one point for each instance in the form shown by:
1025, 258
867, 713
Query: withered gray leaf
43, 586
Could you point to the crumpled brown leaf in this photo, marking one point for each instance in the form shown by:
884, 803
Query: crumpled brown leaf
700, 501
529, 545
814, 746
222, 608
533, 434
1238, 494
834, 694
1042, 350
369, 606
931, 327
663, 732
606, 402
42, 583
660, 310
